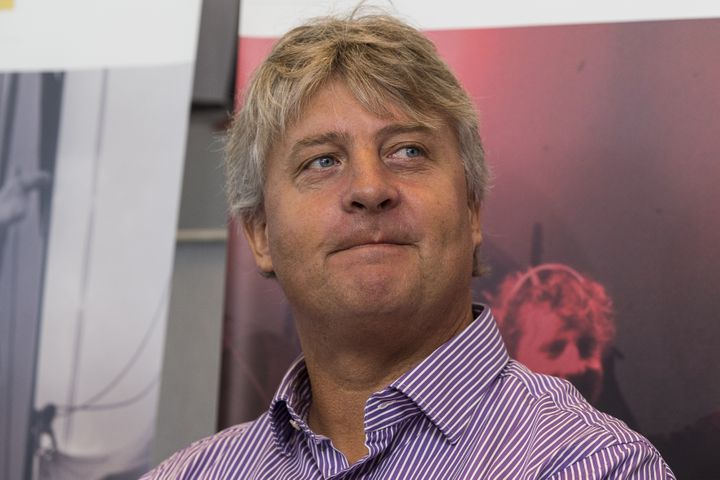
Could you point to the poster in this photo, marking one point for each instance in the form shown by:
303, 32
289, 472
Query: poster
92, 136
601, 229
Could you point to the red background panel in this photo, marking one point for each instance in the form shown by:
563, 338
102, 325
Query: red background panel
606, 137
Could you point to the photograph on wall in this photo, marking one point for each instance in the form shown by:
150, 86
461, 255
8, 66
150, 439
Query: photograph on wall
90, 167
601, 230
93, 124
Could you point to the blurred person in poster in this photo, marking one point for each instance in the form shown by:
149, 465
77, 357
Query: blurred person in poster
559, 322
356, 169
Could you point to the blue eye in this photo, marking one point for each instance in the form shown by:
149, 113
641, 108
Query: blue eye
323, 162
408, 151
412, 152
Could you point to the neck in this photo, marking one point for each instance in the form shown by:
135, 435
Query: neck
347, 367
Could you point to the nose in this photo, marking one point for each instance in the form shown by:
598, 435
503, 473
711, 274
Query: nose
570, 362
371, 187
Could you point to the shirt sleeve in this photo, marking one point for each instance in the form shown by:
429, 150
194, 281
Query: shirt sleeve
636, 460
176, 467
192, 461
172, 468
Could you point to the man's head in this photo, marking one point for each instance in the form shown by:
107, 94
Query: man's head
356, 168
557, 322
387, 66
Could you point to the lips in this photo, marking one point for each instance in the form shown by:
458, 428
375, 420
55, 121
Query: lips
369, 239
371, 244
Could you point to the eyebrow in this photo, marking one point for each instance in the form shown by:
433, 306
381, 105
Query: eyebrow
399, 128
339, 137
321, 139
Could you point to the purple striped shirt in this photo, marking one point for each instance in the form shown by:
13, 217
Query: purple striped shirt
466, 412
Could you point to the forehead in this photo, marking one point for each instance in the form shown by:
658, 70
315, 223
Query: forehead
336, 107
543, 318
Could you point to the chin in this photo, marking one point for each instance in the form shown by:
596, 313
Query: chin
379, 294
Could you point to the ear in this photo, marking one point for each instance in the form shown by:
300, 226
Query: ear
475, 222
256, 233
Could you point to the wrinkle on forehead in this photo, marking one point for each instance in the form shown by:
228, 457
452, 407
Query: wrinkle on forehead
382, 106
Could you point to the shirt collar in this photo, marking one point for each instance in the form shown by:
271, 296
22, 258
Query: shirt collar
449, 383
289, 406
446, 386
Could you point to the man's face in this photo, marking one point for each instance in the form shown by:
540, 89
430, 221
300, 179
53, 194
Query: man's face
549, 345
364, 215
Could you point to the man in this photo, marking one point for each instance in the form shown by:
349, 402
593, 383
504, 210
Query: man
356, 168
557, 321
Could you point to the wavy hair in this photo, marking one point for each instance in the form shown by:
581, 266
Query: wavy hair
385, 63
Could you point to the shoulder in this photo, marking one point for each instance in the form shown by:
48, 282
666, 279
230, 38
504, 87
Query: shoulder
571, 438
556, 404
209, 456
634, 460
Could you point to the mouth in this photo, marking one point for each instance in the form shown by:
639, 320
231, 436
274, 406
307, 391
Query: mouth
369, 245
372, 239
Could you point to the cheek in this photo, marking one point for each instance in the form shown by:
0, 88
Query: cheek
296, 230
447, 216
284, 227
528, 347
532, 356
457, 213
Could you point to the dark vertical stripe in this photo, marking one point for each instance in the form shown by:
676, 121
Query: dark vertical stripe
50, 105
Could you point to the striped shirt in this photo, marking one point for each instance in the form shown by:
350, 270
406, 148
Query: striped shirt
466, 412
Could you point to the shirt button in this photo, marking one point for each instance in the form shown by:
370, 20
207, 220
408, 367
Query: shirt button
384, 405
294, 424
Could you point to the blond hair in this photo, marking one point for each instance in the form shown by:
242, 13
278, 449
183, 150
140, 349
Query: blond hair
579, 301
384, 62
